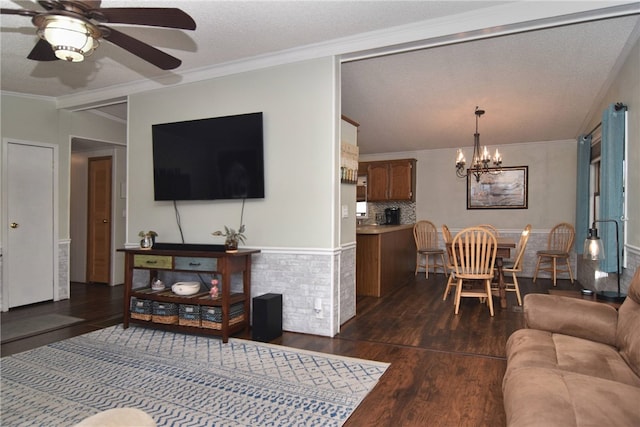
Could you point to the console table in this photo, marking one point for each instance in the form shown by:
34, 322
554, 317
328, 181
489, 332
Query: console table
233, 309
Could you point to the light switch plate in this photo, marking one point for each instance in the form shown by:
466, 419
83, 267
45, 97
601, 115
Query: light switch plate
345, 211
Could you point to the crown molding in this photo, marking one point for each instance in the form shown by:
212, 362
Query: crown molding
28, 96
504, 19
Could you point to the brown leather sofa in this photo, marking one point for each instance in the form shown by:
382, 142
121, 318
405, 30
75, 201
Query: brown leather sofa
577, 363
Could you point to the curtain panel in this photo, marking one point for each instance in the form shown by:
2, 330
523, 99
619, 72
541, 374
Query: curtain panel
611, 184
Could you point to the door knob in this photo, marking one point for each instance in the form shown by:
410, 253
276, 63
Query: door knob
14, 225
104, 221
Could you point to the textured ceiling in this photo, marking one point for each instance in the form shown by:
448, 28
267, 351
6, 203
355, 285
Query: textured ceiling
535, 86
226, 31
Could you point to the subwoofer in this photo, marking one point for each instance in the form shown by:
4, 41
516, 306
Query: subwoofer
266, 317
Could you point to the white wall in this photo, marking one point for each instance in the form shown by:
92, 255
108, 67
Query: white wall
37, 119
300, 157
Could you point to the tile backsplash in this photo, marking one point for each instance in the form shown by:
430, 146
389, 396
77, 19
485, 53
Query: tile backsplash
407, 211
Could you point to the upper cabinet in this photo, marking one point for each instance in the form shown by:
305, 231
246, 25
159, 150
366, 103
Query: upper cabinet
390, 180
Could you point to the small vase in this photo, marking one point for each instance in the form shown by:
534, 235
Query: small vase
231, 246
146, 243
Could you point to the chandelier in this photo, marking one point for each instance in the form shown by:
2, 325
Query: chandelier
481, 159
70, 38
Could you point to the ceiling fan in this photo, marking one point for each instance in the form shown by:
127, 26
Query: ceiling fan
71, 29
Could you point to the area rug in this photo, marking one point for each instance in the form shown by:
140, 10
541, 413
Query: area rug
182, 380
16, 329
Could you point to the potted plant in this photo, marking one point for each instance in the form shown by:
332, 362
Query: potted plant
232, 237
148, 239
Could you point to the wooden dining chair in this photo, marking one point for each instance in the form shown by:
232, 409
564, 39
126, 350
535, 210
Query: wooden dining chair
425, 234
474, 256
451, 269
516, 266
558, 249
491, 228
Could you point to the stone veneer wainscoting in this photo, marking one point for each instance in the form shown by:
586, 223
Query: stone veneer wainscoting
300, 276
64, 290
347, 302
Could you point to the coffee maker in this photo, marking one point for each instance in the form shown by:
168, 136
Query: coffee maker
392, 216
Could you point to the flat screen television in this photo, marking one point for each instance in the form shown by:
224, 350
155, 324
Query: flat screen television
209, 159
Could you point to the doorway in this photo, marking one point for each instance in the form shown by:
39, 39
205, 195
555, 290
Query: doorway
88, 262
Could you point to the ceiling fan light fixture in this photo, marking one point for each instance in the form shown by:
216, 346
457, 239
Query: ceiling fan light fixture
70, 38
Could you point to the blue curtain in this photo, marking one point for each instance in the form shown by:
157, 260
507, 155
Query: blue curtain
611, 181
582, 191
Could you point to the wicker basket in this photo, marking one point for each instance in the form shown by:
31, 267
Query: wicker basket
212, 316
140, 309
189, 315
165, 312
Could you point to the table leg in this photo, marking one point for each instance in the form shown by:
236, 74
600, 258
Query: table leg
502, 287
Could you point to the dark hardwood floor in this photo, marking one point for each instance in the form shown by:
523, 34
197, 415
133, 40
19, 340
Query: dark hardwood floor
446, 370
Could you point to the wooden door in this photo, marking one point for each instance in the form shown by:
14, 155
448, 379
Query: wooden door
99, 220
401, 173
377, 181
29, 273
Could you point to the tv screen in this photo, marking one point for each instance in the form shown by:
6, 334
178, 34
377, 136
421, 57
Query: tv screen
209, 159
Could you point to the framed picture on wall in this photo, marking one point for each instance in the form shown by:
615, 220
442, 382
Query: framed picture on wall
507, 188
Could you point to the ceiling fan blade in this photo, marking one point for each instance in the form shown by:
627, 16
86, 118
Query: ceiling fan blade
23, 12
153, 16
42, 52
148, 53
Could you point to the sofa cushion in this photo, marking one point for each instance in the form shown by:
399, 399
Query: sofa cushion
628, 332
551, 397
542, 349
571, 316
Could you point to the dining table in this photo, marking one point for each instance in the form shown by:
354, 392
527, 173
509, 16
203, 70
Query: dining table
503, 251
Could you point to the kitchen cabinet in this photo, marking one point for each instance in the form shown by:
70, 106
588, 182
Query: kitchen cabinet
199, 313
385, 258
390, 180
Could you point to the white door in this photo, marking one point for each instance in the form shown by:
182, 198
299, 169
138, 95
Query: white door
29, 256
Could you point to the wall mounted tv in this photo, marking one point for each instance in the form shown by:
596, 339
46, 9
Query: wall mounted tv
209, 159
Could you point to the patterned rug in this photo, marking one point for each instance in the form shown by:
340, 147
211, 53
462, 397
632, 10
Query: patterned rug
182, 380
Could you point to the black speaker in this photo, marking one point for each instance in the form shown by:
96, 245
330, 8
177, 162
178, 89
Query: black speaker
267, 317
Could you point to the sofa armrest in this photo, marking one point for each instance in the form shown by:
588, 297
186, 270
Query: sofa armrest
571, 316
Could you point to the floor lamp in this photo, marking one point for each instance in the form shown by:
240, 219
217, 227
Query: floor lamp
594, 251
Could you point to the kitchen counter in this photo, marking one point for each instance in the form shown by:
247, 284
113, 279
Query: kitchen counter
379, 229
385, 258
